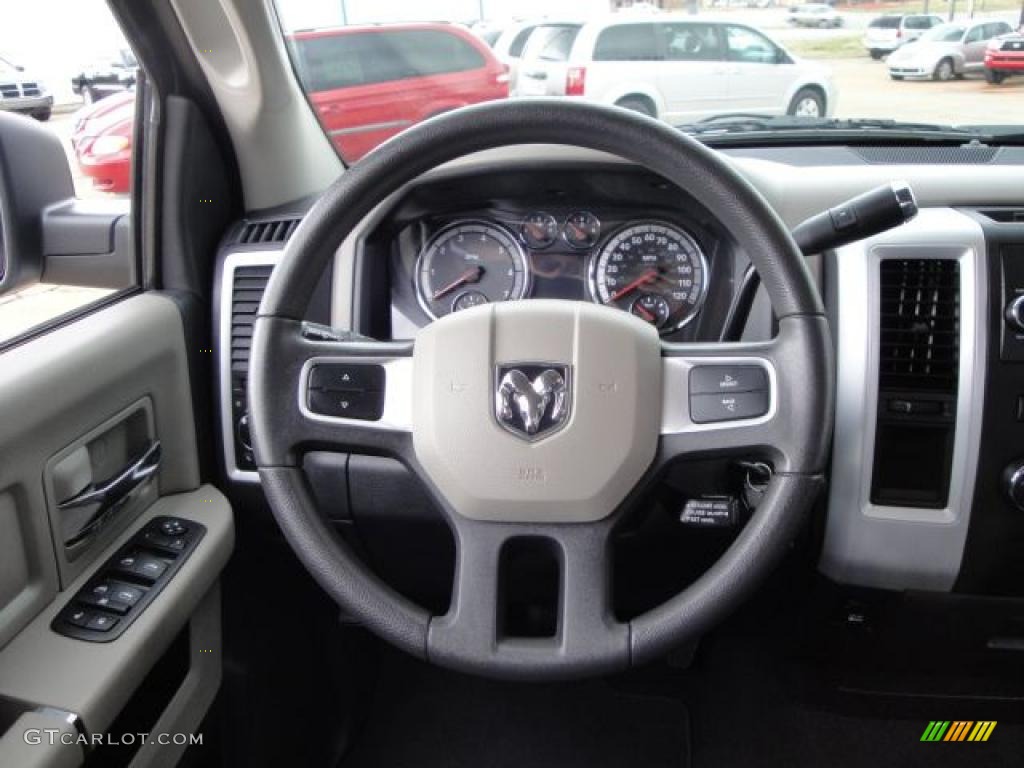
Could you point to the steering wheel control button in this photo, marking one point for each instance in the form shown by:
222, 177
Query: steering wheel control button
347, 377
347, 390
710, 512
707, 409
366, 406
716, 379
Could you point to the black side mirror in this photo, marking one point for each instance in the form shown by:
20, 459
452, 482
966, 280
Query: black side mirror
34, 175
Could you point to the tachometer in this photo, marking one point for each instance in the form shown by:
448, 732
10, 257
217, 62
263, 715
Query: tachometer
654, 270
467, 264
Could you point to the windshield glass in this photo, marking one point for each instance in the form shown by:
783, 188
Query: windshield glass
946, 33
372, 69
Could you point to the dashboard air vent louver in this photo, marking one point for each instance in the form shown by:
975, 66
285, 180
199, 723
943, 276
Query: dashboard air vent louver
246, 294
920, 325
271, 231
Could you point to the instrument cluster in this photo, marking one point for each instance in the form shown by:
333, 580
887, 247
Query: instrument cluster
651, 267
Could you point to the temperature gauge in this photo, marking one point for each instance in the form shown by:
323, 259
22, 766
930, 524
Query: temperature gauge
539, 230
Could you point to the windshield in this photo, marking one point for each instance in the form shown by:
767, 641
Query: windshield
373, 69
946, 33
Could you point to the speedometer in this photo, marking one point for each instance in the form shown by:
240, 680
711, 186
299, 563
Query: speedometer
654, 270
467, 264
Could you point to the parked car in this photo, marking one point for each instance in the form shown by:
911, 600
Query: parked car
105, 77
887, 33
1004, 57
946, 51
673, 67
23, 92
814, 15
368, 84
102, 142
510, 45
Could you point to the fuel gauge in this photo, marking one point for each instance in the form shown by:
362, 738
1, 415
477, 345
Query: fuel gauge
582, 230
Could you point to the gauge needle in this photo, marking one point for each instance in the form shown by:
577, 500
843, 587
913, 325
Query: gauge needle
645, 278
471, 275
650, 318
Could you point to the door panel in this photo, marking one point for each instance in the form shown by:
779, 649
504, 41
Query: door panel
78, 406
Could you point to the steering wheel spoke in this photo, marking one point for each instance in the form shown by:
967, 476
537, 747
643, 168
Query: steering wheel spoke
747, 397
475, 633
346, 396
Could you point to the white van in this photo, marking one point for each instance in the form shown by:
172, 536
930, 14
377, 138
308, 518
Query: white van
673, 67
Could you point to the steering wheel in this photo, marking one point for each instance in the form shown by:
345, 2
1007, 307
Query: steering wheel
625, 413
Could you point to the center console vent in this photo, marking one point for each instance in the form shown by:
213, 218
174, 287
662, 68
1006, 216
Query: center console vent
918, 375
920, 325
268, 232
246, 294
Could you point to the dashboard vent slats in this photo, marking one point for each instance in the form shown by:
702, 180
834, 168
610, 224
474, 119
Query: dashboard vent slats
269, 232
246, 294
920, 325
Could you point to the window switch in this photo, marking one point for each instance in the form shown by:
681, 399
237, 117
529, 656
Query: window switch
101, 622
147, 567
102, 596
78, 617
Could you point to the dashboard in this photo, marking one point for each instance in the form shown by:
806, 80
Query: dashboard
919, 495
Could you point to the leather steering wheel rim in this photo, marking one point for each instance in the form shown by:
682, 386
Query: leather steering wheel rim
801, 357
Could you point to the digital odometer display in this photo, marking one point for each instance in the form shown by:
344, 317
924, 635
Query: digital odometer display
468, 264
654, 270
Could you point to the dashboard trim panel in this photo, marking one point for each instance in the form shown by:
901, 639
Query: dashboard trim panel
232, 262
895, 547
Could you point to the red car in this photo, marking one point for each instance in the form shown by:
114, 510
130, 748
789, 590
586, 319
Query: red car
102, 141
369, 83
366, 83
1004, 57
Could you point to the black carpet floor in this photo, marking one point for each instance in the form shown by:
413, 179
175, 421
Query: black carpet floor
422, 717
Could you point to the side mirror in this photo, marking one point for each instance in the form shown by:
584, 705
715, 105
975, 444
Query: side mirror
34, 176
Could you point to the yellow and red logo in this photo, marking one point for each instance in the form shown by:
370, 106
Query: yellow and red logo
958, 730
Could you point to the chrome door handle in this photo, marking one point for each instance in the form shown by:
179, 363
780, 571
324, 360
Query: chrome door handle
109, 494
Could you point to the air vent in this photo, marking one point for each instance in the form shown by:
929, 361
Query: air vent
1005, 215
920, 325
246, 294
267, 232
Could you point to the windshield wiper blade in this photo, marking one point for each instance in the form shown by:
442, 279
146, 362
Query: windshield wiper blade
748, 123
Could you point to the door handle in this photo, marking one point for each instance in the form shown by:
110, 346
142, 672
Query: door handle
109, 494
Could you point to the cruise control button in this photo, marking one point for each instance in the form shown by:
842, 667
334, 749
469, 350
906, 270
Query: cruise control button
347, 377
705, 409
366, 406
714, 379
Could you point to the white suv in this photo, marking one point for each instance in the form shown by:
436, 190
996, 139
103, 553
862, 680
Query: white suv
887, 33
675, 68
